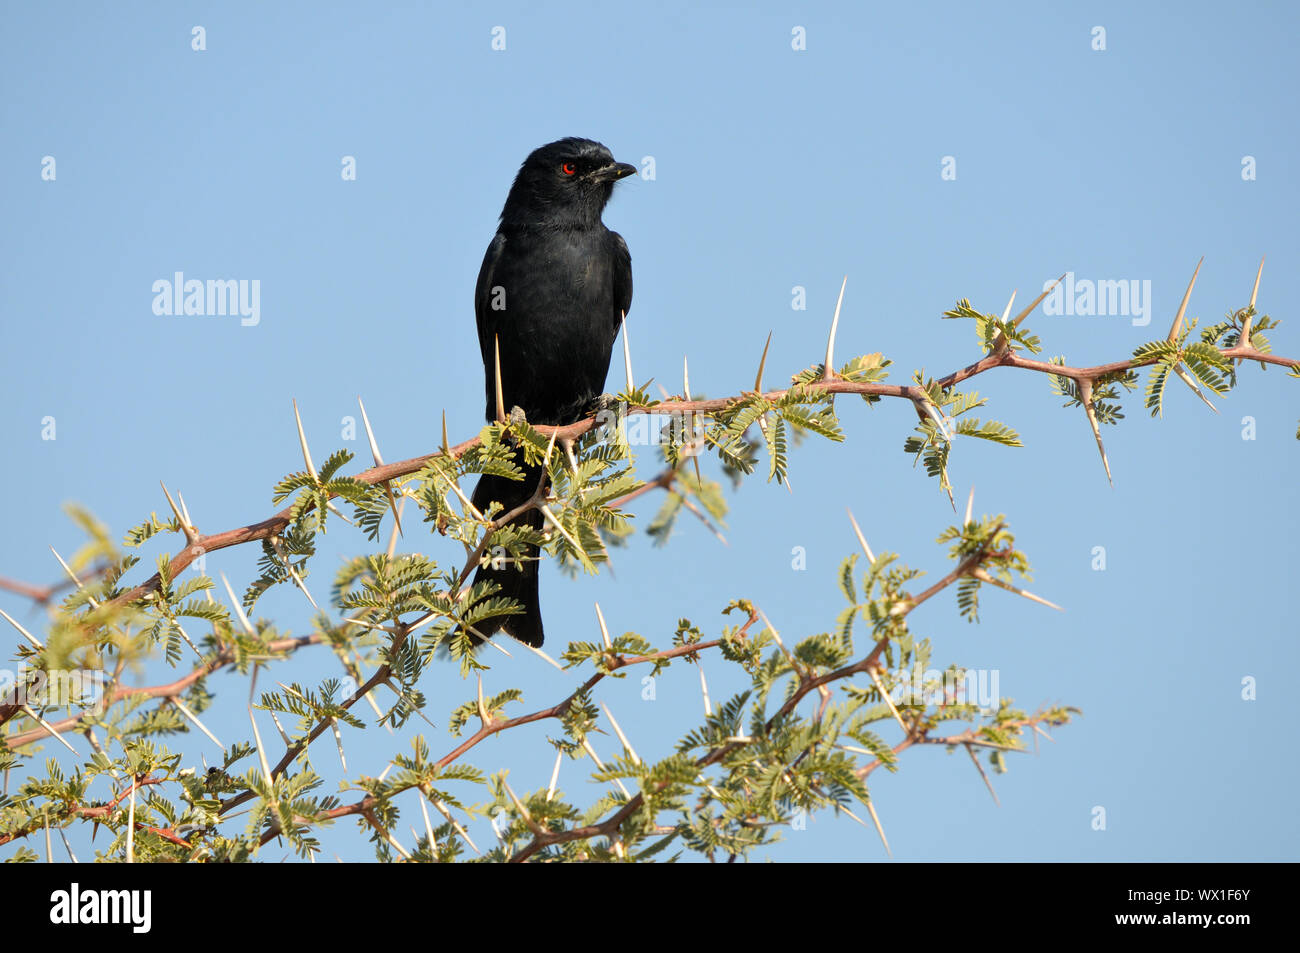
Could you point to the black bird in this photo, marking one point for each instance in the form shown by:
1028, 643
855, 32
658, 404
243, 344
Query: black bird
554, 285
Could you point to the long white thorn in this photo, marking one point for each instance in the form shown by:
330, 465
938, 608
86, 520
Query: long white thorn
555, 776
130, 827
379, 462
983, 576
619, 731
586, 744
338, 740
604, 629
879, 829
1182, 308
181, 707
762, 363
546, 658
428, 826
261, 751
627, 354
1187, 379
239, 608
880, 687
827, 371
23, 632
50, 729
181, 517
302, 440
73, 576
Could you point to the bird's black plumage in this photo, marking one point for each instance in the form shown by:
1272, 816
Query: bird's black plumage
553, 288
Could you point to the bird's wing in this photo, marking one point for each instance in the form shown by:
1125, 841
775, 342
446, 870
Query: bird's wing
482, 297
622, 276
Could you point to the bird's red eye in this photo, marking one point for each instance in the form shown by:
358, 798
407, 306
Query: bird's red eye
568, 168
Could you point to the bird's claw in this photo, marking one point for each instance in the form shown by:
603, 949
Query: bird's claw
605, 403
517, 416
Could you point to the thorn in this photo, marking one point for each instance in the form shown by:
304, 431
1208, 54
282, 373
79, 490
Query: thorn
619, 731
302, 439
762, 362
604, 629
388, 836
555, 775
627, 353
190, 535
49, 847
49, 728
370, 434
1006, 312
338, 740
926, 407
261, 752
278, 545
1036, 302
68, 847
982, 576
522, 809
428, 827
704, 690
1244, 339
980, 768
550, 447
1040, 731
871, 557
501, 401
1254, 292
1085, 395
239, 609
130, 827
442, 809
827, 372
483, 714
73, 576
879, 830
537, 651
379, 461
1182, 308
1187, 379
970, 505
25, 634
1000, 341
188, 641
695, 511
546, 511
180, 705
284, 735
686, 378
586, 744
777, 637
880, 687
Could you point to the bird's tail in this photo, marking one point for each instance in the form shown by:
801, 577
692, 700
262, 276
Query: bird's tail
517, 578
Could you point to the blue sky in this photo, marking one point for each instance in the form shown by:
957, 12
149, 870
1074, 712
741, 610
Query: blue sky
774, 168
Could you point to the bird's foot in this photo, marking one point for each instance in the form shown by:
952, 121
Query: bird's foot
517, 416
604, 404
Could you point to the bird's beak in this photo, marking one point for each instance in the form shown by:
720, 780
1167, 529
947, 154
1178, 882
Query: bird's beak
614, 171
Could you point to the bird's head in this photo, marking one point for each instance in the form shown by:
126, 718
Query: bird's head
566, 182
